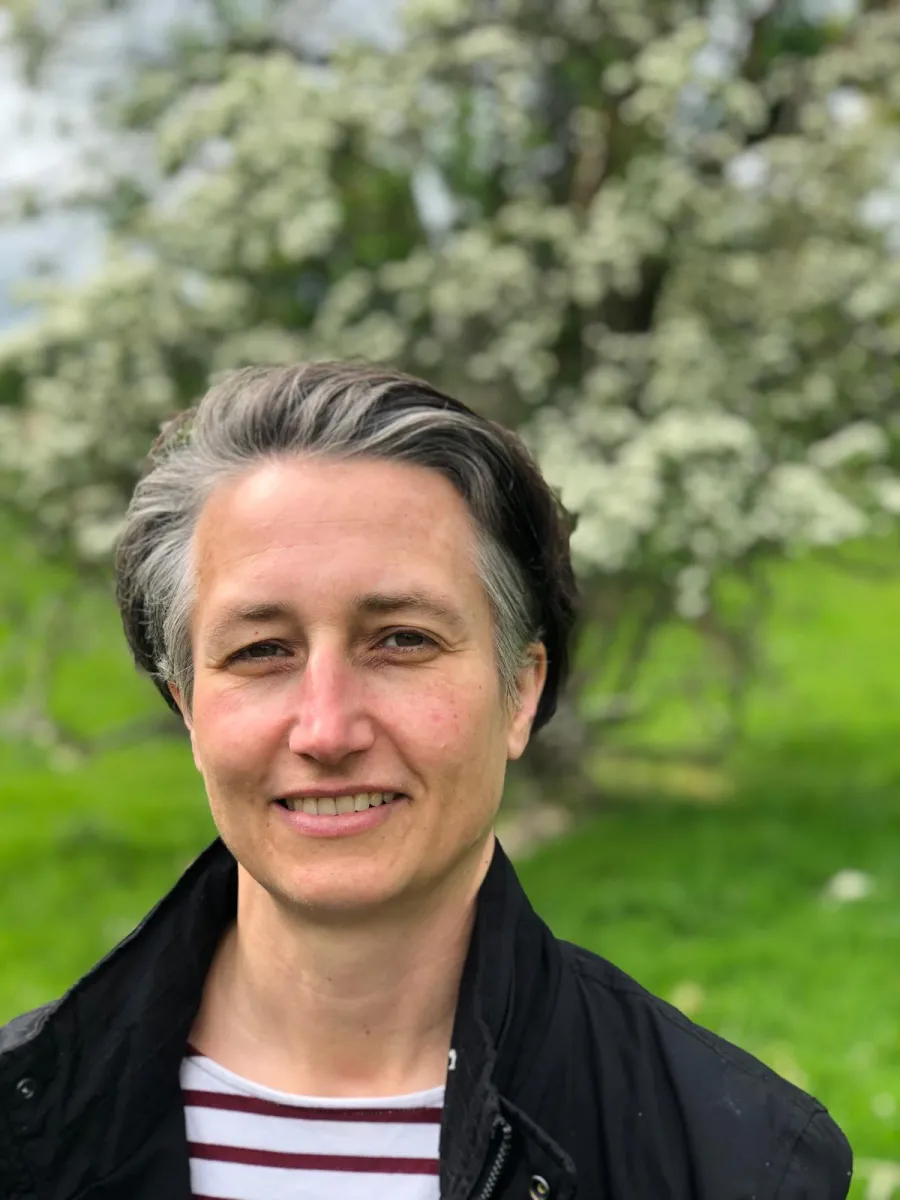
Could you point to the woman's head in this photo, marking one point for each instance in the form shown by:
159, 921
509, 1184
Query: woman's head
358, 594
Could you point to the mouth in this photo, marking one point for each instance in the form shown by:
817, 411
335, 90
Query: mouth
330, 806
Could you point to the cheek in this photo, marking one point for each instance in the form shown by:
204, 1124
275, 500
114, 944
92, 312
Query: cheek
232, 739
453, 728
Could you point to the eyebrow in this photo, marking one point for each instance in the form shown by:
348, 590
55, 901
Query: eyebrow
387, 603
245, 614
369, 604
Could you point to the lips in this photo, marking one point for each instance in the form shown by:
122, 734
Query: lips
329, 806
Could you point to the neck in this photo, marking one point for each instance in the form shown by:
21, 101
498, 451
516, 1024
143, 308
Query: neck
340, 1008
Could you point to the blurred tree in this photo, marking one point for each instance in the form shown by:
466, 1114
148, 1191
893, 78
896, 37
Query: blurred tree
647, 234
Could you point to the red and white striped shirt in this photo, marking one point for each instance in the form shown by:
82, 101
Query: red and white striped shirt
249, 1142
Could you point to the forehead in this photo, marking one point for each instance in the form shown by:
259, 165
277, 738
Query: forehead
327, 523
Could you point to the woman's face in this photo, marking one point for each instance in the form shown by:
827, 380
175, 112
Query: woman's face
343, 647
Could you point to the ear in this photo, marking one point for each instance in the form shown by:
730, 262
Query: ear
177, 696
532, 678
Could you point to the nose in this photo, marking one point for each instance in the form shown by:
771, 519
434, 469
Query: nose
330, 720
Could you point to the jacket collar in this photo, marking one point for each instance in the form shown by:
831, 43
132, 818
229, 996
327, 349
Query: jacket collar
105, 1059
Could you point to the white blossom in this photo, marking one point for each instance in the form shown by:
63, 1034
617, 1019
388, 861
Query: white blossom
848, 886
748, 410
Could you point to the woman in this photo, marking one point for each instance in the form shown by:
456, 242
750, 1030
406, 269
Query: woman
358, 595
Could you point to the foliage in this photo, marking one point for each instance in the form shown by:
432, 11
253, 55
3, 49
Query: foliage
642, 233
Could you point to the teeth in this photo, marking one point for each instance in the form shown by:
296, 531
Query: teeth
321, 806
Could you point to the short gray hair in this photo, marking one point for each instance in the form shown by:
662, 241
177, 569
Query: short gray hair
337, 410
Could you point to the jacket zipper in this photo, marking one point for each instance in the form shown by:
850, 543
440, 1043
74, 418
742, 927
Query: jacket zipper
494, 1174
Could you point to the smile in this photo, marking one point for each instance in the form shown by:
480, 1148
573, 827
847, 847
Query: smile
330, 806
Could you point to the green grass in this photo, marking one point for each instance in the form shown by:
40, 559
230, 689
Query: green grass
716, 906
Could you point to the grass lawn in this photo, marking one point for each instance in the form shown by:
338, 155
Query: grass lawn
720, 906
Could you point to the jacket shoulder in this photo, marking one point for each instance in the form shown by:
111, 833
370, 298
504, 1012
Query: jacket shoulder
22, 1028
739, 1115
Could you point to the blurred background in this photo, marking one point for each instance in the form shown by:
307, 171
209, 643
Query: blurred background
661, 239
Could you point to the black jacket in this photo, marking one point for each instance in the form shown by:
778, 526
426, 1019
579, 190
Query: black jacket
569, 1079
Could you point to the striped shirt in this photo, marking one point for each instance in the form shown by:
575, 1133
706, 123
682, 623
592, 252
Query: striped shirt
249, 1142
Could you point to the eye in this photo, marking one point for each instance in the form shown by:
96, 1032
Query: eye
257, 652
409, 640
